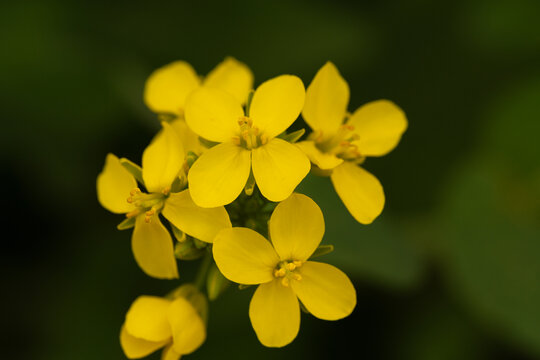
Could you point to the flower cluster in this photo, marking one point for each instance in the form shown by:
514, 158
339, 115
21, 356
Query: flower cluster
217, 182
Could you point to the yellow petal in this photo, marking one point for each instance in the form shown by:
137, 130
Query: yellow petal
201, 223
113, 186
213, 114
325, 291
147, 319
323, 160
135, 348
233, 77
274, 314
169, 354
296, 227
327, 98
153, 248
277, 103
219, 175
187, 327
359, 190
244, 256
166, 89
380, 125
187, 137
278, 168
162, 160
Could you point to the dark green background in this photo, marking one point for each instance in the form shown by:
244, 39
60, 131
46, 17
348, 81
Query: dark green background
450, 270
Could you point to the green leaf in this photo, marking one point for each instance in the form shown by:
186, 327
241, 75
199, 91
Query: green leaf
133, 169
381, 252
216, 283
491, 248
128, 223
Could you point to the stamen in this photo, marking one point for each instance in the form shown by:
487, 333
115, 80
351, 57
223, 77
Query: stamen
297, 277
133, 213
166, 191
297, 263
291, 266
285, 282
236, 140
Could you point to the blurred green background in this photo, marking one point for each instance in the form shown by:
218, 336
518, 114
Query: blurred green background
450, 270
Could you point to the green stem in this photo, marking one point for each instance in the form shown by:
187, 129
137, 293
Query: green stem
200, 280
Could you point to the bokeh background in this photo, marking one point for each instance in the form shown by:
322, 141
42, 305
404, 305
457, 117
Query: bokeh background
450, 270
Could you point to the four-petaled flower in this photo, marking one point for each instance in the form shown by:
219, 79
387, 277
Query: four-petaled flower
162, 163
167, 88
284, 271
336, 148
154, 322
248, 142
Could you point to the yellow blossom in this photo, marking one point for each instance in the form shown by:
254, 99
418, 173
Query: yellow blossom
168, 87
247, 142
338, 148
284, 272
154, 322
162, 163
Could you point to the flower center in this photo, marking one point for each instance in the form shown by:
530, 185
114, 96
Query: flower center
341, 144
149, 204
250, 136
286, 270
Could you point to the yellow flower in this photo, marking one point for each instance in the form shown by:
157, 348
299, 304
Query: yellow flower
167, 88
336, 148
152, 245
248, 142
153, 322
284, 271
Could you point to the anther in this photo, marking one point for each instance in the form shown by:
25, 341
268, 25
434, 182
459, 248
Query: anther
291, 266
166, 191
264, 139
297, 277
345, 143
285, 282
236, 140
279, 273
134, 191
129, 199
297, 263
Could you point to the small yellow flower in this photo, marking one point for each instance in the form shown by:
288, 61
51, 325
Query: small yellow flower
336, 148
153, 322
168, 87
162, 162
248, 142
284, 272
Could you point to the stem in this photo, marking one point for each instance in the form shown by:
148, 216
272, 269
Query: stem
203, 270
